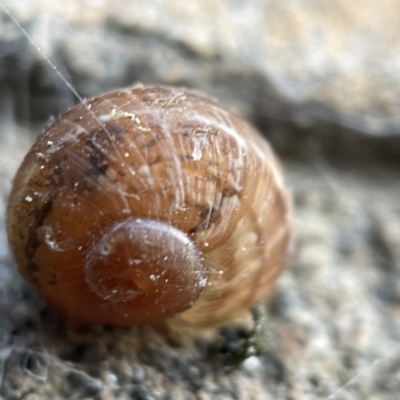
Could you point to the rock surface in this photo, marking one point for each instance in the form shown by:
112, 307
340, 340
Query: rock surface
310, 74
301, 60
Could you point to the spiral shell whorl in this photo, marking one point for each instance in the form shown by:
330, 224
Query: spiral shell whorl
147, 262
150, 153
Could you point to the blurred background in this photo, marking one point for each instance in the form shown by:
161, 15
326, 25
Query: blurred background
321, 81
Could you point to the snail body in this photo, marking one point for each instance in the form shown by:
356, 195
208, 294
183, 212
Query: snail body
146, 204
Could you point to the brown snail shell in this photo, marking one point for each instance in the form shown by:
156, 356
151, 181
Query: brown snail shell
150, 203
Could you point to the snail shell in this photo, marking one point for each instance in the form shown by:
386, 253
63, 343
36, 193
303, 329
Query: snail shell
150, 203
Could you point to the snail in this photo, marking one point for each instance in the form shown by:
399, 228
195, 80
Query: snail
148, 204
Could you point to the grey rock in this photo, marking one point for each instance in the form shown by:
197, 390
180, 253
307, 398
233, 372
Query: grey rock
304, 61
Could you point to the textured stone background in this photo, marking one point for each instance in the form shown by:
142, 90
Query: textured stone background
321, 80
